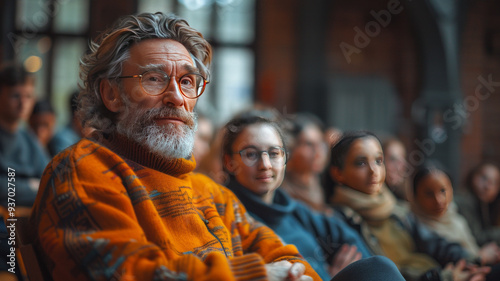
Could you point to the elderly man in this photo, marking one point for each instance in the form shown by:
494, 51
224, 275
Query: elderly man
125, 204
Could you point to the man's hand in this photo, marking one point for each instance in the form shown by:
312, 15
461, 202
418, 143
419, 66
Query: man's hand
463, 272
344, 257
286, 271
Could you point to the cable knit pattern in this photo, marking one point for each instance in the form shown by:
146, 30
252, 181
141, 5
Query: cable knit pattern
122, 213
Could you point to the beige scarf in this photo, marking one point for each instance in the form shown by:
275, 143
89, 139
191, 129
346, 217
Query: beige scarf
451, 226
372, 208
395, 242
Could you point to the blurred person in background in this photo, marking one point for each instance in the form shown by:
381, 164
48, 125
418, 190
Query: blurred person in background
308, 159
203, 138
22, 158
479, 203
43, 123
433, 206
20, 150
71, 133
395, 164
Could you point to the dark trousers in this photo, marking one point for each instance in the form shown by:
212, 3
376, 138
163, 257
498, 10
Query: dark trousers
376, 268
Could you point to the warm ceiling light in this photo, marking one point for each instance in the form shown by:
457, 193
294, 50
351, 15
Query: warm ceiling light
33, 64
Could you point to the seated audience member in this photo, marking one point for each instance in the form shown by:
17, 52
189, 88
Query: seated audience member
203, 138
308, 159
433, 206
212, 165
22, 159
124, 204
69, 134
357, 164
255, 156
20, 150
480, 202
43, 122
395, 166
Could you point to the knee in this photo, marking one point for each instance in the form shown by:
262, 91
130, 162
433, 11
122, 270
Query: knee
370, 269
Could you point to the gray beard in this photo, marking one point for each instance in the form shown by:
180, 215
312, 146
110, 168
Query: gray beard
169, 141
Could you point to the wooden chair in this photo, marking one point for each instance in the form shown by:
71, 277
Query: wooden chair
25, 235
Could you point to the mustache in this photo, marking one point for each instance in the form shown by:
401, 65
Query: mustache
189, 118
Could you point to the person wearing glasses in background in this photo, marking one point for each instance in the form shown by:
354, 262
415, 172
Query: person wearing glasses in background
124, 203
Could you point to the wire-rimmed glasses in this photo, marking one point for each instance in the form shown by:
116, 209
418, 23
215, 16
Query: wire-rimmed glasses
250, 155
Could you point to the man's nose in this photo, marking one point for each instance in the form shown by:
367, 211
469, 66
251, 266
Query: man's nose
172, 95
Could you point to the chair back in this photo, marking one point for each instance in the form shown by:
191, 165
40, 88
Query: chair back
26, 235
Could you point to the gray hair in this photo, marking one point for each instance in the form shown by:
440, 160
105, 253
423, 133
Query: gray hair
111, 49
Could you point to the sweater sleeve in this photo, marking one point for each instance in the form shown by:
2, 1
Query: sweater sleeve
88, 230
257, 238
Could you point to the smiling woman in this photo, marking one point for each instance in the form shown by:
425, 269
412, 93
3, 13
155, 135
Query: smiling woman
260, 165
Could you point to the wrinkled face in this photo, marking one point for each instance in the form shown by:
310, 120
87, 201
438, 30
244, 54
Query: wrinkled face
165, 55
264, 177
434, 193
16, 103
395, 159
486, 183
364, 168
165, 123
43, 125
310, 152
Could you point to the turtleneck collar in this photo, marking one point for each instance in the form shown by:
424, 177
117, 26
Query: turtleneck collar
136, 152
271, 214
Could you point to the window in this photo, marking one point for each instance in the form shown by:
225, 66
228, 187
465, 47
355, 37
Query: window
50, 38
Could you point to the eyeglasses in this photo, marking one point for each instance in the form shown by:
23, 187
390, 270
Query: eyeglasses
155, 82
250, 156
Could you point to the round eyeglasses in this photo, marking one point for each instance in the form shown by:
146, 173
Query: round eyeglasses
250, 156
155, 82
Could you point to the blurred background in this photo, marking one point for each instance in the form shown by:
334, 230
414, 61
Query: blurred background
426, 71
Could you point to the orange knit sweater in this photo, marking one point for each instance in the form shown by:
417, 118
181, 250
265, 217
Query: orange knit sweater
117, 212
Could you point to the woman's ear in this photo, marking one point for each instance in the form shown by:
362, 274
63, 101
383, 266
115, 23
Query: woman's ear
110, 96
336, 174
229, 164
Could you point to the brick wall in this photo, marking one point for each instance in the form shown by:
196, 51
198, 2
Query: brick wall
392, 53
481, 138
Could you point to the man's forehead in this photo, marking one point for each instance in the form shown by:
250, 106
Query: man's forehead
158, 54
152, 47
161, 66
